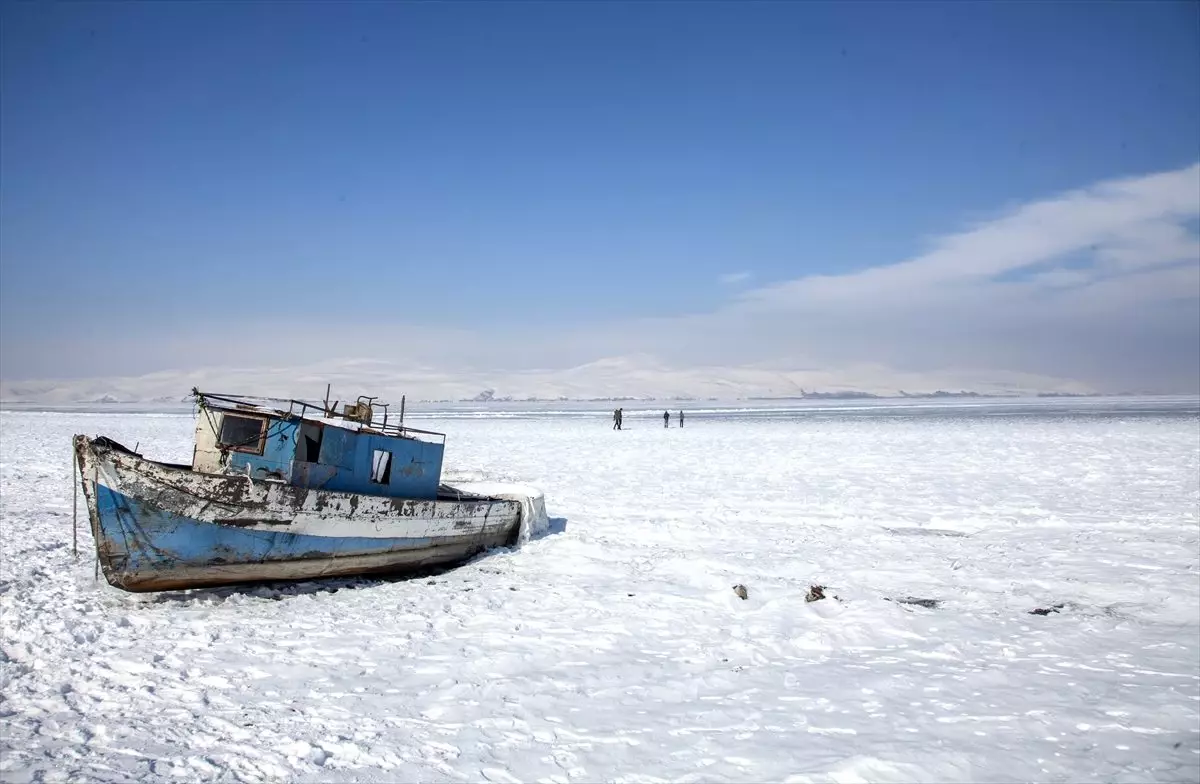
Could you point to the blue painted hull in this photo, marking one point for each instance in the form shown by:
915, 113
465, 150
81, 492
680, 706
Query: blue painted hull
161, 527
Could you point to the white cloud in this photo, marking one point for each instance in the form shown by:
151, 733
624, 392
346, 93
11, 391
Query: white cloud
1099, 286
1122, 225
734, 278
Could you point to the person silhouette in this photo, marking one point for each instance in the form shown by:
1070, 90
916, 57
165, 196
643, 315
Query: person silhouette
666, 419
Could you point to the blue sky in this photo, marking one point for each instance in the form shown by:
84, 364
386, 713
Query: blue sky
286, 171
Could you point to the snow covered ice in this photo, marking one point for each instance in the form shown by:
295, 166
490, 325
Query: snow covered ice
613, 648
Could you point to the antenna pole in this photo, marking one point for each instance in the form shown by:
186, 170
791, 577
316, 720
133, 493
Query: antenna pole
327, 388
402, 412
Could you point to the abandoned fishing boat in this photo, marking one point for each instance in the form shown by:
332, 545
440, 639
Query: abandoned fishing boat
289, 490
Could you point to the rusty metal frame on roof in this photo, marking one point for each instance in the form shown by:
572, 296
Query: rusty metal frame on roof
302, 409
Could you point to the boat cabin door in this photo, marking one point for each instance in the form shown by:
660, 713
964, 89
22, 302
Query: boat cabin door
308, 442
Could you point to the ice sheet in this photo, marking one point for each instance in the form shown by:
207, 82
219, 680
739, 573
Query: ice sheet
612, 647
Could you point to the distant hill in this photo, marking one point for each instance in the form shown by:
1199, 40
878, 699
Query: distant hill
639, 377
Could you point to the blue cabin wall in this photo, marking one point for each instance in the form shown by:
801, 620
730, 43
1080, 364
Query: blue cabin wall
278, 452
416, 465
346, 458
338, 448
345, 461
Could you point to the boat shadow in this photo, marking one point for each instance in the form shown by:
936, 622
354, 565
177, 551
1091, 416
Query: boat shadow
278, 590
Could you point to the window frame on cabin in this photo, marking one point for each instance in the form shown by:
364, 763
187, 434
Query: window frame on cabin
246, 448
387, 467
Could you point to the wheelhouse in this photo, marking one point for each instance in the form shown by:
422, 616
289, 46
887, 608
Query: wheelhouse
313, 445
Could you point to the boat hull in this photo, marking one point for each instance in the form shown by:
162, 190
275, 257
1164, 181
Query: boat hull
159, 527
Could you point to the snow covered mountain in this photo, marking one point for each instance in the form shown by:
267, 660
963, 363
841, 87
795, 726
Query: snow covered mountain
630, 377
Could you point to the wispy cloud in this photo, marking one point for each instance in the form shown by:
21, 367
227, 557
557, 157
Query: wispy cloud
734, 278
1099, 285
1122, 228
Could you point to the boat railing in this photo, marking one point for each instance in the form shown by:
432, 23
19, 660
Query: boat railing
319, 410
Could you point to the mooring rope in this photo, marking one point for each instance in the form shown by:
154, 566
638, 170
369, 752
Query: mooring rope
74, 502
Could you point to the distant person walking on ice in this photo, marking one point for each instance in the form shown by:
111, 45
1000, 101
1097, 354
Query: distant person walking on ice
681, 418
617, 419
666, 419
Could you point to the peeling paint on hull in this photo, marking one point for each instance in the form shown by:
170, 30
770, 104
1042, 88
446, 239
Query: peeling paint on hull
160, 527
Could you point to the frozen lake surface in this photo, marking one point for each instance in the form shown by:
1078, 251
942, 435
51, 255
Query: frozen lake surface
614, 648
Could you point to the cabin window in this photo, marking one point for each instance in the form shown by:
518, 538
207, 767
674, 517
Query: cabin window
242, 434
381, 467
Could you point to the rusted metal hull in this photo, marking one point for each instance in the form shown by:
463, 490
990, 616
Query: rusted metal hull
160, 527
